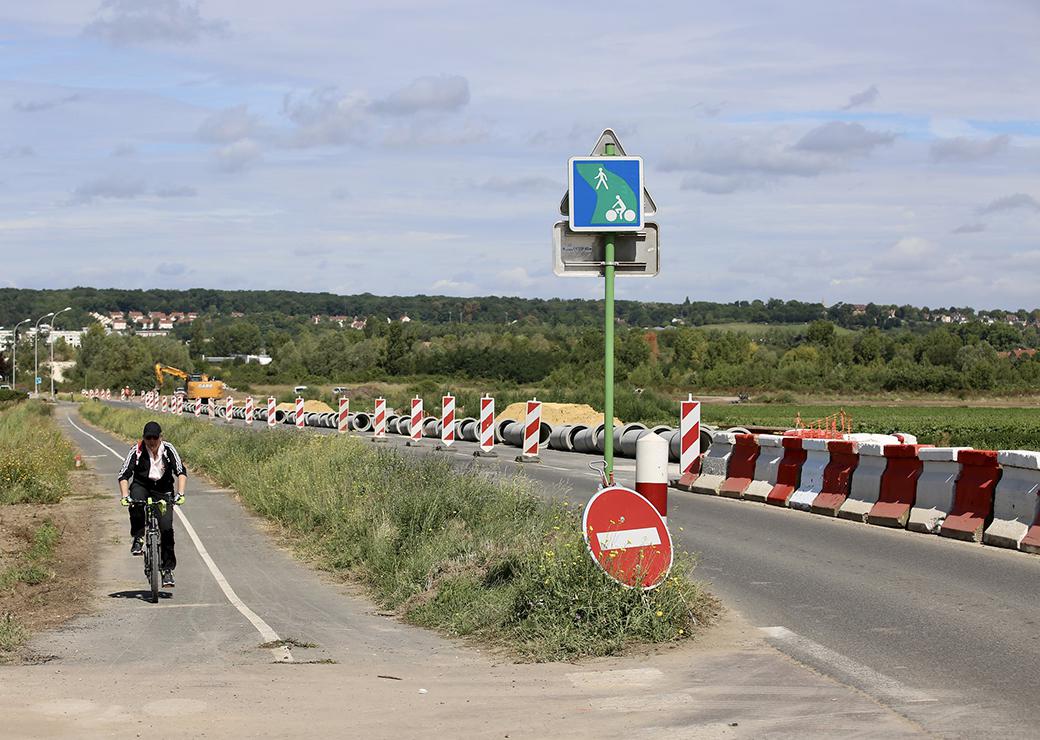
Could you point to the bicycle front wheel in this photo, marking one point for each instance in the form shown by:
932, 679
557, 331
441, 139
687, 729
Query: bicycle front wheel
153, 572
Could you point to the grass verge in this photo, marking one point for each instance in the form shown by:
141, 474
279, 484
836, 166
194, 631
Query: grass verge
33, 567
35, 459
445, 549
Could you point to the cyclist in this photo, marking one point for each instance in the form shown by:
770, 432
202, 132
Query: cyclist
151, 469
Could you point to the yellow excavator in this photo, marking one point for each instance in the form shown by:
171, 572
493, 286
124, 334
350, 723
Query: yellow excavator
196, 385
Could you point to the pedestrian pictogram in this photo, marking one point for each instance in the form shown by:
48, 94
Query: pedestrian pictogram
627, 537
605, 194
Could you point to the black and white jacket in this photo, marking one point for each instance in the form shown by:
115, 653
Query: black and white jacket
138, 463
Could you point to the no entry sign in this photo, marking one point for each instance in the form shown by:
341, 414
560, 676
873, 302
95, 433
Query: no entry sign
627, 537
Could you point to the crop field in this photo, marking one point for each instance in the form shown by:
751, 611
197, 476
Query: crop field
980, 427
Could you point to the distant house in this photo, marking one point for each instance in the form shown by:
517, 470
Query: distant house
858, 309
152, 333
237, 315
165, 324
341, 320
102, 318
358, 324
72, 338
946, 318
1018, 353
118, 325
316, 319
404, 319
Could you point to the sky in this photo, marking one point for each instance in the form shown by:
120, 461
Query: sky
819, 150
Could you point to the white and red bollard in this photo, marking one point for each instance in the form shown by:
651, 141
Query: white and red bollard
415, 427
249, 410
179, 405
211, 408
379, 421
486, 428
532, 432
271, 412
652, 471
197, 407
343, 420
447, 423
165, 405
299, 413
229, 409
689, 443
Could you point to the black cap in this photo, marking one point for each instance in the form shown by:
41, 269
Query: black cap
152, 429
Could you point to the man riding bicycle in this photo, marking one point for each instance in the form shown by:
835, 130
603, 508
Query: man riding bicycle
149, 471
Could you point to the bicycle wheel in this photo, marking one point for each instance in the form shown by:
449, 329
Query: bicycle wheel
153, 574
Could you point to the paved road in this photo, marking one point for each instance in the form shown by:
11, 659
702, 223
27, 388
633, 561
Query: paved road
944, 632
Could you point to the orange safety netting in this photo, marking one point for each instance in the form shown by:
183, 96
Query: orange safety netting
835, 426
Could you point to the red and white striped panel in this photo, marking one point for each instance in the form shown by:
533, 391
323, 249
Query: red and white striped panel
211, 407
271, 411
299, 413
448, 420
415, 428
249, 409
532, 428
229, 407
165, 407
379, 425
487, 423
197, 407
344, 414
180, 405
689, 435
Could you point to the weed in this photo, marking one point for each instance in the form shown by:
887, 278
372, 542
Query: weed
35, 459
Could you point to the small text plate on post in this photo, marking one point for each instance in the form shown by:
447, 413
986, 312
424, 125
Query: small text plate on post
605, 194
636, 254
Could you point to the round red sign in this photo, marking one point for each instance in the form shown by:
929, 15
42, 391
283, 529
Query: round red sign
627, 537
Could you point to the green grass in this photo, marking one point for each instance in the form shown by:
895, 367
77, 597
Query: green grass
445, 549
32, 568
35, 459
980, 427
12, 634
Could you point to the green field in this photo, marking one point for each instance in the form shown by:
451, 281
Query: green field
979, 427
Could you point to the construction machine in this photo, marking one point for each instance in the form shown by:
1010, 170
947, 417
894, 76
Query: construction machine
196, 385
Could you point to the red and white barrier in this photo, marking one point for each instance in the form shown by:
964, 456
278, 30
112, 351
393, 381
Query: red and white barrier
165, 405
272, 412
866, 483
837, 476
211, 407
898, 490
299, 413
448, 420
179, 405
415, 422
379, 422
770, 454
973, 496
196, 407
532, 429
1016, 503
249, 410
652, 471
816, 460
229, 407
343, 419
789, 472
713, 465
487, 426
689, 442
740, 470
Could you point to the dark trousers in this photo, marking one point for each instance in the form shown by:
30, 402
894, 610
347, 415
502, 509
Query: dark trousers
139, 522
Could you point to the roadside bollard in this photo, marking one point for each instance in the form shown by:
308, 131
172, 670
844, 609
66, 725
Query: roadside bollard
689, 443
447, 423
271, 415
652, 471
487, 428
249, 410
416, 424
300, 420
229, 409
532, 432
344, 414
165, 405
379, 423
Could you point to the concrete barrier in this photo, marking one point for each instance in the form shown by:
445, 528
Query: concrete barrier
816, 460
837, 477
973, 499
1016, 503
935, 488
788, 472
866, 483
898, 491
770, 454
740, 470
714, 464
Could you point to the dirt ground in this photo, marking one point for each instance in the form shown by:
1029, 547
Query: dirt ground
68, 591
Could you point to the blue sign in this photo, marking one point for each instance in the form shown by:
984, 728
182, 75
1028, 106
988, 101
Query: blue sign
606, 193
39, 380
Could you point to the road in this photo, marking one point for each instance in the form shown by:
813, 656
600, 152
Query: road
946, 633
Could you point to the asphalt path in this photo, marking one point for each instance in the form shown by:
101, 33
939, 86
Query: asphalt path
946, 633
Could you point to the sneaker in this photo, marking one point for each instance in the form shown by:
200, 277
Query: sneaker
137, 546
167, 579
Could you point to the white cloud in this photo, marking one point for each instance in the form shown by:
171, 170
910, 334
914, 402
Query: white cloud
865, 97
838, 137
237, 156
442, 94
963, 148
1016, 201
229, 125
125, 22
109, 187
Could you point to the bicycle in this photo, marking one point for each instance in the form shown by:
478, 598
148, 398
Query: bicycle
152, 538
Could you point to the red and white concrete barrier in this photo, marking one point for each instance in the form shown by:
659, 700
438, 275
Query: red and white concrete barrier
652, 471
272, 412
249, 410
837, 477
973, 496
741, 468
689, 442
898, 490
789, 472
816, 461
379, 420
770, 454
415, 423
532, 431
300, 420
1016, 503
343, 419
487, 427
866, 483
448, 420
714, 465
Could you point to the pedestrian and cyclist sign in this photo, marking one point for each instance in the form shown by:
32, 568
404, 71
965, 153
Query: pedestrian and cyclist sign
605, 194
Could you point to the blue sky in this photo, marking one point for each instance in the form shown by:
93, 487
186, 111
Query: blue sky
813, 150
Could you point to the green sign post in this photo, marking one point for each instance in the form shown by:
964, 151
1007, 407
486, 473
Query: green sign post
606, 195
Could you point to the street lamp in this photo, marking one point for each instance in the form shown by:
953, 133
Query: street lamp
14, 356
36, 354
51, 337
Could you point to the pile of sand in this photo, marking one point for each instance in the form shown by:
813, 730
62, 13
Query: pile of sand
317, 407
558, 414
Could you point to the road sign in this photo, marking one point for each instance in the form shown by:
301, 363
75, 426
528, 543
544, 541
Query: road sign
38, 380
627, 537
604, 193
581, 254
609, 137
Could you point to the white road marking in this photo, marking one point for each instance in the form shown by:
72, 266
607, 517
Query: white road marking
863, 676
621, 539
282, 653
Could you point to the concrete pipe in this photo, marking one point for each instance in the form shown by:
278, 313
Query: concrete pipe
584, 441
361, 422
600, 437
391, 423
429, 427
500, 428
513, 434
468, 429
559, 437
738, 430
626, 440
572, 434
661, 429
